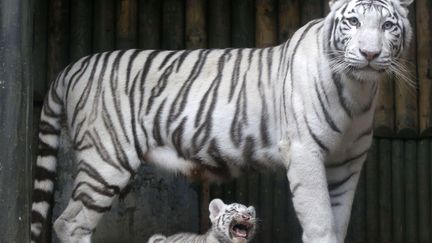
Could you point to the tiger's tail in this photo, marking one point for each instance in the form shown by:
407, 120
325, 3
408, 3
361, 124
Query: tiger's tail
157, 239
45, 168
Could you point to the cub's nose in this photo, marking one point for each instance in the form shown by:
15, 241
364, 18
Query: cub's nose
246, 217
369, 55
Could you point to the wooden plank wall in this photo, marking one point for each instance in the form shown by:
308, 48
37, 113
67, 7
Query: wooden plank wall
393, 198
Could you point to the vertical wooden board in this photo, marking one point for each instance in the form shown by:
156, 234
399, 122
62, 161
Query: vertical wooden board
242, 23
58, 39
39, 50
253, 196
173, 24
430, 183
372, 206
241, 192
219, 23
398, 191
266, 23
216, 191
15, 119
149, 24
104, 25
281, 228
289, 18
126, 24
80, 28
266, 206
229, 191
424, 62
410, 150
423, 155
196, 36
384, 113
294, 227
204, 206
406, 96
310, 9
326, 7
385, 202
357, 225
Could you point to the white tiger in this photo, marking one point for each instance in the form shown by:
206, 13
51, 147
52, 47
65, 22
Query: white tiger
307, 105
232, 223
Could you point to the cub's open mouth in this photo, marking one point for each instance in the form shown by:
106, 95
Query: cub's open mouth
241, 229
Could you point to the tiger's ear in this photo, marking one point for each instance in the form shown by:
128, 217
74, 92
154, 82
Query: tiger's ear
216, 207
334, 3
405, 3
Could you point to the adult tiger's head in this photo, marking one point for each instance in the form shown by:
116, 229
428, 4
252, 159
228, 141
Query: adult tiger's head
233, 223
368, 37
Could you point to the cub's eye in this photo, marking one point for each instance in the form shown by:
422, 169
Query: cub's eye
388, 25
354, 21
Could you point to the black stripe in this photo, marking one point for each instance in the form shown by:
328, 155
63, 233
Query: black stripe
157, 124
100, 149
116, 98
74, 80
132, 58
36, 217
88, 202
166, 59
101, 191
99, 86
40, 195
315, 137
181, 59
177, 137
215, 154
339, 88
347, 161
138, 147
45, 149
160, 87
181, 98
119, 150
335, 185
145, 71
327, 116
236, 74
240, 117
86, 168
46, 128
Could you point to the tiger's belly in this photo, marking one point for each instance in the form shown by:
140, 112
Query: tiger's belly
213, 163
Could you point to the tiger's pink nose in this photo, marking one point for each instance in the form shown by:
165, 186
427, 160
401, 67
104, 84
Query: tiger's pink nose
245, 217
369, 55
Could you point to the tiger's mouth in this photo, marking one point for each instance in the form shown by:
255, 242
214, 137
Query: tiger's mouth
241, 229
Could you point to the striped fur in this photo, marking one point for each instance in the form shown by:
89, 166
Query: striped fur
225, 220
306, 104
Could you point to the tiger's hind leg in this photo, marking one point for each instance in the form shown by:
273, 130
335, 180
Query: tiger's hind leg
96, 185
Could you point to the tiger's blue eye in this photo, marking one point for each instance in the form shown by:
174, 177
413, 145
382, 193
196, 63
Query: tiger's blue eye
354, 21
388, 25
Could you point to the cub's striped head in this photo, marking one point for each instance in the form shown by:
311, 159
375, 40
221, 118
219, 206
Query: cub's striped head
232, 223
368, 37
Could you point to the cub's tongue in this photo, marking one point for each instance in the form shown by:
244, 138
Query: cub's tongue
240, 232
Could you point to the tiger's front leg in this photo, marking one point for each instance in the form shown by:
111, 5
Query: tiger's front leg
342, 182
308, 184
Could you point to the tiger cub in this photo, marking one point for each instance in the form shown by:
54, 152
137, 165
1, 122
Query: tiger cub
233, 223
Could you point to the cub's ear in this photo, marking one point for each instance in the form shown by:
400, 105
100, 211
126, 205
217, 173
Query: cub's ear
405, 3
334, 3
216, 207
251, 210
